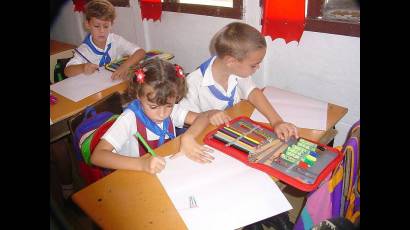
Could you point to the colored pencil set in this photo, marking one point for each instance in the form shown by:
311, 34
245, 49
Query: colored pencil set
299, 162
244, 136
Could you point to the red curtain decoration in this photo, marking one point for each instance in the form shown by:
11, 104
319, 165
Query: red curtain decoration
283, 19
79, 5
151, 9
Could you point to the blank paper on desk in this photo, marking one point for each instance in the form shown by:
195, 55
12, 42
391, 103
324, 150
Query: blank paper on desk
302, 111
228, 194
81, 86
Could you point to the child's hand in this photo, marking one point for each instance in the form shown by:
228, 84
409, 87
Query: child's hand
89, 68
218, 117
285, 130
153, 164
193, 150
120, 73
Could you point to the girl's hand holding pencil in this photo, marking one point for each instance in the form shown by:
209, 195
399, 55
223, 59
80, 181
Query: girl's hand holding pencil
153, 165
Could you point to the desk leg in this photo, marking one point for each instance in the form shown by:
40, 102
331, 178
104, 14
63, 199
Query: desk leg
329, 137
331, 143
296, 198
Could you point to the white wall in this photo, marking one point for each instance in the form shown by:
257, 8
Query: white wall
321, 66
69, 25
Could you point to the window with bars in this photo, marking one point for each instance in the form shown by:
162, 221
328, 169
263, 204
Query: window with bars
334, 16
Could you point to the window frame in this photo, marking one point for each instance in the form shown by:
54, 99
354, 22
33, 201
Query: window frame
117, 3
236, 12
315, 22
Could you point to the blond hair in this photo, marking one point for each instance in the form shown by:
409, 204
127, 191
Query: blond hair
100, 9
237, 40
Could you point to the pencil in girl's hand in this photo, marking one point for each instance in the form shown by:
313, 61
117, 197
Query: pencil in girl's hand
76, 50
138, 135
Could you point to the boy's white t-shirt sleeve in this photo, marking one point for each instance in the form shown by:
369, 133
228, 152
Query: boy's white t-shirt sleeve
125, 48
191, 101
120, 134
77, 59
245, 86
178, 115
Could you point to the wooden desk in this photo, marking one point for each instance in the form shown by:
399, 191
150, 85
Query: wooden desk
59, 50
58, 47
65, 108
136, 200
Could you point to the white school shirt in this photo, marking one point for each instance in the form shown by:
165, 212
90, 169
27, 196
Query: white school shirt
121, 134
200, 99
120, 47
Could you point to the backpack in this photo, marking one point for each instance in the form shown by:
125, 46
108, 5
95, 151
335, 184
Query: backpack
59, 69
339, 195
85, 139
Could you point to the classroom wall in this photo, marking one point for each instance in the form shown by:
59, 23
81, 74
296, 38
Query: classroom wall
321, 66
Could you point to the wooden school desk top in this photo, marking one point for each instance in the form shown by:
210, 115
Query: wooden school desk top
57, 46
136, 200
65, 107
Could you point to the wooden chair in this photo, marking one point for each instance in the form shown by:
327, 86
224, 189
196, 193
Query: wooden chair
111, 103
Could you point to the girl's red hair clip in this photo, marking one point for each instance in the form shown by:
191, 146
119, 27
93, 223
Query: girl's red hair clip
179, 71
139, 76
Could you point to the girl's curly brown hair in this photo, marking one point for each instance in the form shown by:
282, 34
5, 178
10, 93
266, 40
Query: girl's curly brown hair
161, 76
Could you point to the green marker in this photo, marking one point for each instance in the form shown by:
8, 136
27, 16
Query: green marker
138, 135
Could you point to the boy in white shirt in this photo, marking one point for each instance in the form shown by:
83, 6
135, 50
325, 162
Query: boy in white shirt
223, 80
100, 47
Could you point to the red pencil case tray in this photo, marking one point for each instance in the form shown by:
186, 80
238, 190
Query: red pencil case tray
279, 174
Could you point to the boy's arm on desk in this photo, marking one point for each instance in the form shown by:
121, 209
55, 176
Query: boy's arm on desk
245, 108
334, 114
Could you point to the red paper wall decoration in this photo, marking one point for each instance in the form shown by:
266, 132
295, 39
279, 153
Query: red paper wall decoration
283, 19
79, 5
151, 9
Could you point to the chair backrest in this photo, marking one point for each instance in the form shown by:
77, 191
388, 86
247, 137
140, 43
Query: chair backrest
110, 103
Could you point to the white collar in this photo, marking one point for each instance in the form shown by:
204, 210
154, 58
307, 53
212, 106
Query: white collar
208, 78
109, 39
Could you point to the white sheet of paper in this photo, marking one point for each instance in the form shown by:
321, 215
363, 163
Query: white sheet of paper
228, 193
302, 111
81, 86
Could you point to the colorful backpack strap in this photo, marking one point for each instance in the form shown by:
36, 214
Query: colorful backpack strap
339, 196
351, 189
85, 138
89, 143
89, 110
